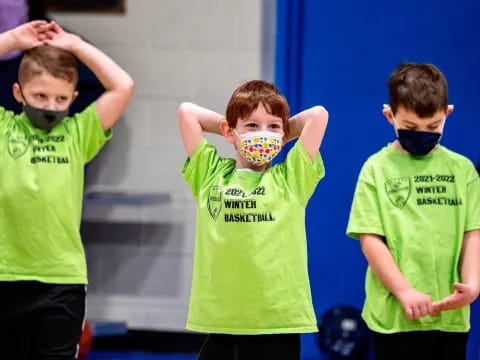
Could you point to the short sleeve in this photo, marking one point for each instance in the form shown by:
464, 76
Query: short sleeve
87, 129
204, 162
365, 211
473, 201
3, 116
300, 172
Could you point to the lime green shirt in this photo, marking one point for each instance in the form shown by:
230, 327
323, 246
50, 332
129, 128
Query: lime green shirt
422, 206
250, 266
41, 195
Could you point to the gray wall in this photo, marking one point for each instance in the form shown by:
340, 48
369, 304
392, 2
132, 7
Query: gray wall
139, 227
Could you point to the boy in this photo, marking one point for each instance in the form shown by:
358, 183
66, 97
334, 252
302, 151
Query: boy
416, 211
250, 268
42, 263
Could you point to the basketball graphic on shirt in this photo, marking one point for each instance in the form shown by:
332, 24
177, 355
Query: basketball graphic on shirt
215, 202
17, 144
398, 191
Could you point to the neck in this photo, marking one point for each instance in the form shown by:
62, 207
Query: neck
241, 163
397, 146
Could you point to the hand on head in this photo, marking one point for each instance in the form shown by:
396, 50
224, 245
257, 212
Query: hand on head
40, 32
30, 35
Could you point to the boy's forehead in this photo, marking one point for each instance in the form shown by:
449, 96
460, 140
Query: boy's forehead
261, 114
412, 116
45, 80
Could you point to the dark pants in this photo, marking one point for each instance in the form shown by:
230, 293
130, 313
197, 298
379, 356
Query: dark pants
251, 347
40, 321
420, 345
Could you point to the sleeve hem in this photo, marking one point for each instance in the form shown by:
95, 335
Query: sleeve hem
355, 233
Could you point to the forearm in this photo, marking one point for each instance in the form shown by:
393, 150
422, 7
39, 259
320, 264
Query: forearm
383, 264
7, 43
109, 73
194, 120
208, 120
309, 126
470, 260
296, 124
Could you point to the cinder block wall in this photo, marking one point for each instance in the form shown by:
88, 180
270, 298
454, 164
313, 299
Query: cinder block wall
140, 254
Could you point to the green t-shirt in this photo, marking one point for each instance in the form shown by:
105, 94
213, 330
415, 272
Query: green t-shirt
422, 207
250, 266
41, 179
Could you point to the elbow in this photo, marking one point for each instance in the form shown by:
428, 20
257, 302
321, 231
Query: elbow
128, 87
320, 114
185, 109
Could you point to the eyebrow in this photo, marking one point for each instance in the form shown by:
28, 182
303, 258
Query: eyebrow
279, 121
414, 124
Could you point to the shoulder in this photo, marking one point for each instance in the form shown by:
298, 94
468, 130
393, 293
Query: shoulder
454, 156
376, 158
459, 163
6, 114
206, 155
89, 112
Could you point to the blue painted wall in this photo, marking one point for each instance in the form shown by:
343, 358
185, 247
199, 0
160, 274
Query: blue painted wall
340, 54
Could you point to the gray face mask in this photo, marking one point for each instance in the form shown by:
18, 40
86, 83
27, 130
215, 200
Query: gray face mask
44, 119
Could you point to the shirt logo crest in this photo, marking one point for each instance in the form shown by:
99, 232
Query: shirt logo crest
214, 202
398, 191
18, 143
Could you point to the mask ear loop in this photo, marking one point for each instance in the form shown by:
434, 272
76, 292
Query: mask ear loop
23, 95
395, 124
443, 123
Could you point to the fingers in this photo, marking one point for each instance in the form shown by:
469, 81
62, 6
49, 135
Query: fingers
420, 310
424, 309
409, 312
55, 27
461, 288
38, 23
45, 36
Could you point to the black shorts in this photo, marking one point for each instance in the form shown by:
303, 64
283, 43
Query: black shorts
420, 345
40, 321
251, 347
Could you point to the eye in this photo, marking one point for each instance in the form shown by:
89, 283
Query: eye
275, 126
40, 96
251, 125
62, 99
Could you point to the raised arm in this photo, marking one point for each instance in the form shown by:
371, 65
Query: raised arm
415, 303
194, 120
24, 37
309, 125
117, 83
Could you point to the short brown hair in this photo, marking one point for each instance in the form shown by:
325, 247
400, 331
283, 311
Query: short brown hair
54, 61
421, 88
246, 98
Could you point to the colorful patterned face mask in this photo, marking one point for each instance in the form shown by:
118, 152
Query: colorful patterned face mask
260, 147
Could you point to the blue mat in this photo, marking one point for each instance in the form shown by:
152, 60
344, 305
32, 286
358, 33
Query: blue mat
121, 355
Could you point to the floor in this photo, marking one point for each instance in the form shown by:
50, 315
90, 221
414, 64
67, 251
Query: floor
126, 355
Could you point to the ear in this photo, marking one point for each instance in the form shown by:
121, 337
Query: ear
449, 109
75, 94
387, 112
17, 94
227, 131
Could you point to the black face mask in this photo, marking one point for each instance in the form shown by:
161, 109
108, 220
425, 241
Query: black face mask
418, 143
44, 119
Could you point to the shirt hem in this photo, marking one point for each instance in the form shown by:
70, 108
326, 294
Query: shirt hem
217, 330
460, 329
45, 279
355, 232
